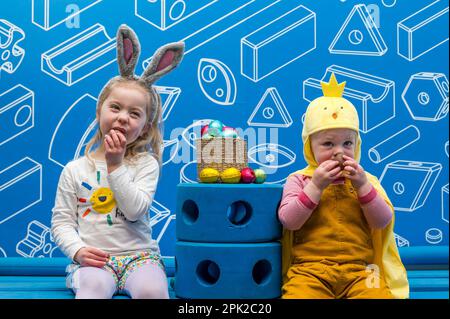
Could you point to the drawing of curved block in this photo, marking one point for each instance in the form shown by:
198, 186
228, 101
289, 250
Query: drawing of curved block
164, 14
23, 180
408, 184
2, 253
271, 48
423, 31
16, 112
358, 35
37, 242
373, 97
426, 96
394, 144
401, 242
11, 54
68, 143
80, 56
238, 271
273, 159
217, 81
47, 14
270, 111
192, 132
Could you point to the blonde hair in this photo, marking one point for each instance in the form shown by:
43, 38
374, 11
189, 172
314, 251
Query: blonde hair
151, 140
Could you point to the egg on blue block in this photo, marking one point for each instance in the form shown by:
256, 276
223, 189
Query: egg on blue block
215, 128
260, 176
228, 131
247, 175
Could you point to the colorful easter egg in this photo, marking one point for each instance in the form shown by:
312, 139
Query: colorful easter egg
247, 175
209, 175
228, 132
215, 128
204, 130
231, 176
260, 176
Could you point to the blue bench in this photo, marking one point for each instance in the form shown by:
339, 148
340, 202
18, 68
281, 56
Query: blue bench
44, 278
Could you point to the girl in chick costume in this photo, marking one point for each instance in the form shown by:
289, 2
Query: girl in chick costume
338, 239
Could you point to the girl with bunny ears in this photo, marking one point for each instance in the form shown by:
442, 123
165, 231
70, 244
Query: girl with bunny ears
100, 219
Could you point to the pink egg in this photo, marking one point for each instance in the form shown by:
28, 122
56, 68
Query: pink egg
247, 175
203, 130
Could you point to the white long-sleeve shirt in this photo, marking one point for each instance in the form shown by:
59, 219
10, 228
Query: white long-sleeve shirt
121, 224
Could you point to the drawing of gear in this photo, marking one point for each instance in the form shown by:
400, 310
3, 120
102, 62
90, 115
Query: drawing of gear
38, 241
11, 55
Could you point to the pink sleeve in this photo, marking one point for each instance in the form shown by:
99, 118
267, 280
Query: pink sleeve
296, 206
377, 212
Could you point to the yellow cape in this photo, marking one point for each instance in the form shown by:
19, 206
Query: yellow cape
333, 111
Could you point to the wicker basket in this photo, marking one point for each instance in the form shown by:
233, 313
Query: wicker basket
221, 153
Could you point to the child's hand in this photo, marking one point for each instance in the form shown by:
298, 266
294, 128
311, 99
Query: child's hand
115, 147
91, 257
326, 173
354, 172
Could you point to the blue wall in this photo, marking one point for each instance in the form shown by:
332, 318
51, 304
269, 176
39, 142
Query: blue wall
252, 64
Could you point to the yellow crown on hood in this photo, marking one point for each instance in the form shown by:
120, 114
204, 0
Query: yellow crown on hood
328, 112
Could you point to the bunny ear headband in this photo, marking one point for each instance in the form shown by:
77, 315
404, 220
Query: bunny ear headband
164, 60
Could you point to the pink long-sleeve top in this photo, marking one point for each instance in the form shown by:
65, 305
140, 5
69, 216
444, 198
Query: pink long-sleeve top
298, 204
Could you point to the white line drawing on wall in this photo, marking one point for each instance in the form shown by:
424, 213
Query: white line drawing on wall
193, 132
217, 81
16, 112
389, 3
23, 177
170, 150
159, 212
394, 144
373, 97
80, 56
188, 173
433, 236
47, 14
401, 242
245, 11
444, 202
409, 183
2, 253
270, 111
164, 14
446, 148
423, 31
270, 48
11, 54
359, 35
66, 143
238, 12
426, 96
169, 96
271, 157
165, 236
37, 242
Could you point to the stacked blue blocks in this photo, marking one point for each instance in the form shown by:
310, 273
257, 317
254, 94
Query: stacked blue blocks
228, 241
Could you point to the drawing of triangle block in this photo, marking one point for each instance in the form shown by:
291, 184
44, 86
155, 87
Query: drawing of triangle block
358, 35
270, 111
169, 96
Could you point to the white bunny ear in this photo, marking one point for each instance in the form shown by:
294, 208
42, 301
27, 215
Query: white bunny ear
128, 50
165, 59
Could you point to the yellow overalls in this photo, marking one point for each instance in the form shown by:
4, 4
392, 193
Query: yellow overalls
333, 252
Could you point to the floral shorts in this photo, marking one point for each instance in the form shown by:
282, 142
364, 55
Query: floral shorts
121, 267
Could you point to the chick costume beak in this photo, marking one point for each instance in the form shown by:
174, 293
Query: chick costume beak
333, 111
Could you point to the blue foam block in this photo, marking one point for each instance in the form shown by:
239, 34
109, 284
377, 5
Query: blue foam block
222, 213
206, 270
